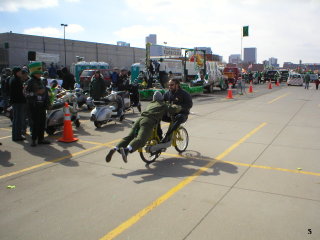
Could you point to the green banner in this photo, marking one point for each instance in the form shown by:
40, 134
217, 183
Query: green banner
245, 31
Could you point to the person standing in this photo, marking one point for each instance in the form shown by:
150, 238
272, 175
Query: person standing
162, 73
115, 79
306, 81
97, 87
317, 82
18, 101
37, 100
5, 92
68, 79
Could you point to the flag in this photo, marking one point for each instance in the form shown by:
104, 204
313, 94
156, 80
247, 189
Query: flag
245, 31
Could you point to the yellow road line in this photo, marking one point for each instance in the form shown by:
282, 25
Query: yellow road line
276, 99
5, 137
247, 165
57, 159
128, 223
273, 168
5, 129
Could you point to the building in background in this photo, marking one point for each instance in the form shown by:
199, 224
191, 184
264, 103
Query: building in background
19, 49
250, 55
123, 44
152, 38
235, 58
273, 62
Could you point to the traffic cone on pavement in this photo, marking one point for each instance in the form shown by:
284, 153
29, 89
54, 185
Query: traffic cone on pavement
277, 84
250, 87
270, 84
230, 92
67, 126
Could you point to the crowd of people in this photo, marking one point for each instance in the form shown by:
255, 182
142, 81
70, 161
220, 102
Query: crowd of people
26, 90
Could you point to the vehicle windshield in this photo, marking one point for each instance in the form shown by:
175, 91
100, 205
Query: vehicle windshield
86, 73
271, 73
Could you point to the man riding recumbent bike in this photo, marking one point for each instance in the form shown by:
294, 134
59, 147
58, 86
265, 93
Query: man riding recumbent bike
153, 148
144, 133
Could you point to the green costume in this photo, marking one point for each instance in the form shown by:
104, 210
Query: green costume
143, 127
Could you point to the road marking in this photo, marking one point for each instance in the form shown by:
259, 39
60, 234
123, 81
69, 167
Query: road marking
276, 99
134, 219
5, 137
6, 129
108, 144
247, 165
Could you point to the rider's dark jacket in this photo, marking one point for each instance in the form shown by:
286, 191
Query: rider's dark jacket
181, 98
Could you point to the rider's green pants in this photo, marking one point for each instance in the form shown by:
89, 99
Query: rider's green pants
139, 134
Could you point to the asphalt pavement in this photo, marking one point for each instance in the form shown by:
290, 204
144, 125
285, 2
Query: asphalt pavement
251, 171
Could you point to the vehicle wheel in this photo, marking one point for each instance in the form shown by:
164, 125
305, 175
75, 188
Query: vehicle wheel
50, 130
97, 124
77, 123
146, 156
181, 139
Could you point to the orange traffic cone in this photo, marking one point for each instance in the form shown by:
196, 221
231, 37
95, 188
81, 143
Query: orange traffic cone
270, 84
278, 84
230, 92
67, 127
250, 87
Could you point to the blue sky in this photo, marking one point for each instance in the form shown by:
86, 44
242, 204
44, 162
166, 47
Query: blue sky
284, 29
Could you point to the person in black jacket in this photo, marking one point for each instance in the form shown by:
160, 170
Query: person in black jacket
97, 87
176, 95
18, 101
38, 101
68, 79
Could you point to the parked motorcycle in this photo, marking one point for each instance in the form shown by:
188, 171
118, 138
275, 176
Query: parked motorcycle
83, 98
55, 116
109, 109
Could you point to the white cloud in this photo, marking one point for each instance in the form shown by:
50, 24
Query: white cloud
54, 32
74, 28
47, 32
282, 29
15, 5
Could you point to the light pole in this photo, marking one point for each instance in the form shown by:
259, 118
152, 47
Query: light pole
64, 41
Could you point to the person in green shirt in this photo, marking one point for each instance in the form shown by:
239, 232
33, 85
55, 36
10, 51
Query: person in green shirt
143, 127
306, 81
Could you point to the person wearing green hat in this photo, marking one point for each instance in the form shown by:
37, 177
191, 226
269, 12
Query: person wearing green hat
38, 101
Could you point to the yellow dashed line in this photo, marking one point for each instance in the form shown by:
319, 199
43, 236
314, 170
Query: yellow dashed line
276, 99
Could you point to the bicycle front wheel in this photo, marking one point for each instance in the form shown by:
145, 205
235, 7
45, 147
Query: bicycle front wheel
181, 139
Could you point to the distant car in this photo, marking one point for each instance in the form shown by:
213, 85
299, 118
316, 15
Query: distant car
271, 75
313, 77
284, 74
295, 79
86, 75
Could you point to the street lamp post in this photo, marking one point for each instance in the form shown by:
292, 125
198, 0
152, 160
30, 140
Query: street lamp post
64, 41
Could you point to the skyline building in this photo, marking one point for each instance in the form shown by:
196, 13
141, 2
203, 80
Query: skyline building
152, 38
250, 55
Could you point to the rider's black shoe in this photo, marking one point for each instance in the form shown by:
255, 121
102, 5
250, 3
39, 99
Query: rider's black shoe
124, 152
110, 154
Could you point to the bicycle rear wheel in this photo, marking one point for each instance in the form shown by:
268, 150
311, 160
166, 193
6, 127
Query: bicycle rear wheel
145, 155
181, 139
